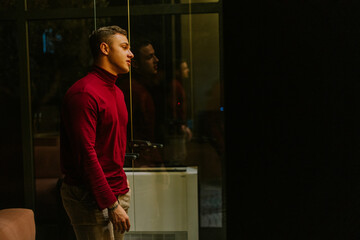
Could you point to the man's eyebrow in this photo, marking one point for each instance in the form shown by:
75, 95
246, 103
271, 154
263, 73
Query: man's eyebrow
126, 43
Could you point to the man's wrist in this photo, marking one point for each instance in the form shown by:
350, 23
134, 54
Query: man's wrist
114, 206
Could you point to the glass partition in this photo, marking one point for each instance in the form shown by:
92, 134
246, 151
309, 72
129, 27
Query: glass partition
174, 98
175, 94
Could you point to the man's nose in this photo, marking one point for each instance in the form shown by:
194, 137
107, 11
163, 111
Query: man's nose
130, 54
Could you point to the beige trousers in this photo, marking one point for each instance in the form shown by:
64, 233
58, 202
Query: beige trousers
88, 221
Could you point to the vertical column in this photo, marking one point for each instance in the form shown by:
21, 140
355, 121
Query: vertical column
25, 90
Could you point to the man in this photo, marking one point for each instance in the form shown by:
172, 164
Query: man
95, 191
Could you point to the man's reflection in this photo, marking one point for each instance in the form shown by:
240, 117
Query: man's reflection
159, 108
178, 133
176, 97
147, 99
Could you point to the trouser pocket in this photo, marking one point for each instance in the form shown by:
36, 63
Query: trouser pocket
124, 200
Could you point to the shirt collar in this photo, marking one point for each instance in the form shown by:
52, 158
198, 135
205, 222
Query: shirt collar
105, 75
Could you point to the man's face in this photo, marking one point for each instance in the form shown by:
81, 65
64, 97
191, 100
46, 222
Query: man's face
147, 62
120, 55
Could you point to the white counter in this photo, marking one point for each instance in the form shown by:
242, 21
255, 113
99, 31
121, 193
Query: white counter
164, 200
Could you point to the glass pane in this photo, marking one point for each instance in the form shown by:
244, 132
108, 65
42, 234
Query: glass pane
177, 126
176, 112
206, 149
11, 163
58, 57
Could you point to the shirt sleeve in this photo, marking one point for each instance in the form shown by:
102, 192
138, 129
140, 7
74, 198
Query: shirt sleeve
80, 121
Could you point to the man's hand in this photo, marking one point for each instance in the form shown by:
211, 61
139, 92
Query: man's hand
119, 219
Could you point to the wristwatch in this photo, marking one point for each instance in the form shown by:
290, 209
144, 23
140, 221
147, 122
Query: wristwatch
114, 206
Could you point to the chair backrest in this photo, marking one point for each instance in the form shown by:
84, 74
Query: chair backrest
17, 224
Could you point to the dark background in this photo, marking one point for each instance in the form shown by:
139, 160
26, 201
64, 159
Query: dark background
292, 119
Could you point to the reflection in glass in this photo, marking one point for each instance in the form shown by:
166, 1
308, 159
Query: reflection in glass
176, 101
201, 46
57, 60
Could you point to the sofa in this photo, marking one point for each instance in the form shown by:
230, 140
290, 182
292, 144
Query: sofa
17, 224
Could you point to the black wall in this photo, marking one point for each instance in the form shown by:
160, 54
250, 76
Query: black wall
292, 85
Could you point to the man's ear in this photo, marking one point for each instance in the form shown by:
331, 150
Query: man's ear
104, 48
